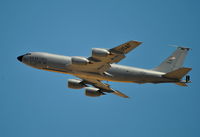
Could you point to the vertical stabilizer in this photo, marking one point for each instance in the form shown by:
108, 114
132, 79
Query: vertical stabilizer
173, 62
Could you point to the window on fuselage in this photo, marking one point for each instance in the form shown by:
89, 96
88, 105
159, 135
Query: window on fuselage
28, 54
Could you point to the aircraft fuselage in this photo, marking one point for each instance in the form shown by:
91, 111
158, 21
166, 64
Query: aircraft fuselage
117, 73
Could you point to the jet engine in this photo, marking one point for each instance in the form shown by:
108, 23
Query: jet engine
98, 52
93, 92
79, 60
75, 84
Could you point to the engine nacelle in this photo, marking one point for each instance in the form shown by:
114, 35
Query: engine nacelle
75, 84
97, 52
79, 60
92, 92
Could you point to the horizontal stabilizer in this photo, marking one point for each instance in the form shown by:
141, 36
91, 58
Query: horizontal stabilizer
181, 84
177, 74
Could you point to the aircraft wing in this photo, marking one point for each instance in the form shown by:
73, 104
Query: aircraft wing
101, 64
102, 86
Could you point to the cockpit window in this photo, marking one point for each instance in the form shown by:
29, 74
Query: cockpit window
28, 54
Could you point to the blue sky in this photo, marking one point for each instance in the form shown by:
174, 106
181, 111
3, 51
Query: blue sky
35, 103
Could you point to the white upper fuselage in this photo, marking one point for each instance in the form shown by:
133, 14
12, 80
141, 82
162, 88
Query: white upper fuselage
119, 73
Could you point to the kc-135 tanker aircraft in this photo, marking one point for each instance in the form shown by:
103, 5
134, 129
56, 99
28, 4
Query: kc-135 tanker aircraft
102, 66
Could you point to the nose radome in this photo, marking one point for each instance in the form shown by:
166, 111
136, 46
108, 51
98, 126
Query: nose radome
20, 58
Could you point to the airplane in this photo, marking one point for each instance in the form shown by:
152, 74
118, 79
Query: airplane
101, 66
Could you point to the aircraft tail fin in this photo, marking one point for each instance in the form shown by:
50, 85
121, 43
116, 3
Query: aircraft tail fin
177, 74
173, 62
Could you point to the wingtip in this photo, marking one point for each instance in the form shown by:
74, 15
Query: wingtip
136, 42
127, 97
120, 94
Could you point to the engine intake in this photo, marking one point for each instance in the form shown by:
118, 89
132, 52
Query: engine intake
93, 92
79, 60
75, 84
98, 52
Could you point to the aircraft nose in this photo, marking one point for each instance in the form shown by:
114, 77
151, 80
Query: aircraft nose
20, 58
